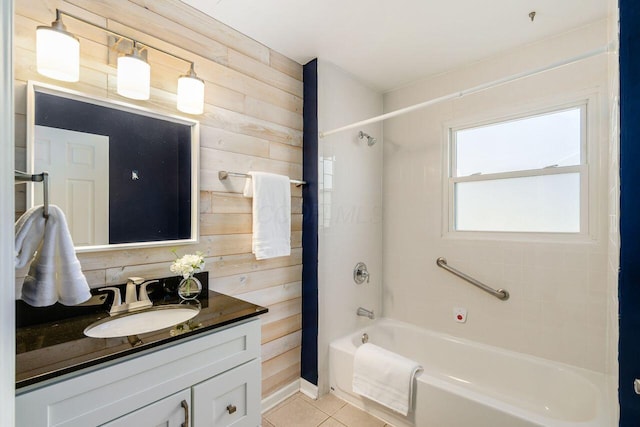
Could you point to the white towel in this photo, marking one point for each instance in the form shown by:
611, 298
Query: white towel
29, 230
271, 214
55, 274
384, 377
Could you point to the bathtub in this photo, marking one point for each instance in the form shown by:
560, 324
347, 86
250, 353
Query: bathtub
465, 383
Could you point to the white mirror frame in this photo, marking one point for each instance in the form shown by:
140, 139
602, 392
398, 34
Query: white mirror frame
33, 87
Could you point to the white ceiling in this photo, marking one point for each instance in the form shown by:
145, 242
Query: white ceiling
387, 43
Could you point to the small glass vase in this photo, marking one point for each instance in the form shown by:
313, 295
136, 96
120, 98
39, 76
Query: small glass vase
189, 288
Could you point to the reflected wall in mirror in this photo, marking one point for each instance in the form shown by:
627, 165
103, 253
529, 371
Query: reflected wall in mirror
124, 176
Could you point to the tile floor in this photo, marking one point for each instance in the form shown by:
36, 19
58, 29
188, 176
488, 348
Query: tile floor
328, 411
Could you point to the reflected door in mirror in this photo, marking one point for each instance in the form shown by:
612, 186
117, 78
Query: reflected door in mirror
78, 166
137, 165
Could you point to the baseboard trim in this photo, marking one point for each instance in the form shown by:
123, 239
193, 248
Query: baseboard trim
308, 389
285, 392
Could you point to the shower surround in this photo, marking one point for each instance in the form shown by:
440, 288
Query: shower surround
562, 301
559, 295
350, 209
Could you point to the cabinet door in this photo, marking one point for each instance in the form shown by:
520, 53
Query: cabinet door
172, 411
229, 399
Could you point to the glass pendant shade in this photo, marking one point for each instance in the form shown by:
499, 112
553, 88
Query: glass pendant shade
190, 93
57, 52
134, 76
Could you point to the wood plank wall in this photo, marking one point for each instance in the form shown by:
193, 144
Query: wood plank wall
252, 121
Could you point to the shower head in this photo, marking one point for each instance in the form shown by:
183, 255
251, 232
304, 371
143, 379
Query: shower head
370, 140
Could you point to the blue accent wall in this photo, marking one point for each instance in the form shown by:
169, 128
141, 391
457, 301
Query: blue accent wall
309, 362
629, 279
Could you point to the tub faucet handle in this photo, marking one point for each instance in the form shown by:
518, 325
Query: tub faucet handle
360, 273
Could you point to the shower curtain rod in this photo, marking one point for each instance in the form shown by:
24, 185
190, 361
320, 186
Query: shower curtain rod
472, 90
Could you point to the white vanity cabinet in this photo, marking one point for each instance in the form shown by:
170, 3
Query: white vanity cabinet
212, 378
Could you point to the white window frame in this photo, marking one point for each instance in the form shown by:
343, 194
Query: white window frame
588, 170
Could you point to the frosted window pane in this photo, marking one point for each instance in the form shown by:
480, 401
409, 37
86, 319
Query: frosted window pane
547, 203
530, 143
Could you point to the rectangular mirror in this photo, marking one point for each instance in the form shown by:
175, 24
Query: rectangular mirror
124, 176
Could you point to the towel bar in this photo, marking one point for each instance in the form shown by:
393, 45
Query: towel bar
222, 175
40, 177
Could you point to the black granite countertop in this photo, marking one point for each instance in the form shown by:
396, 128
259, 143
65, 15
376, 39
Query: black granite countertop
50, 341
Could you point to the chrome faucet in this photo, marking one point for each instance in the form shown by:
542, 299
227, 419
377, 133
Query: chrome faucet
365, 313
132, 301
130, 295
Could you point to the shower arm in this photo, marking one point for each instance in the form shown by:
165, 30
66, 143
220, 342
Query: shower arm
370, 140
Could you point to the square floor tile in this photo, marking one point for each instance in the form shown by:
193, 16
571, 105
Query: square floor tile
329, 404
284, 402
331, 422
354, 417
296, 413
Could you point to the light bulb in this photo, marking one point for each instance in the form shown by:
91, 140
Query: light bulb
191, 93
134, 76
57, 52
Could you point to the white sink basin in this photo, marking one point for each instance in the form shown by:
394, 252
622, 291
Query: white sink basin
140, 322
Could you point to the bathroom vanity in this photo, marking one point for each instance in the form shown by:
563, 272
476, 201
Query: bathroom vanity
205, 372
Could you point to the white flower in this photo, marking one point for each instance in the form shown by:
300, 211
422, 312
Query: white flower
188, 265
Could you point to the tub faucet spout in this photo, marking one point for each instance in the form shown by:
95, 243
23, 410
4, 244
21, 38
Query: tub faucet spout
365, 313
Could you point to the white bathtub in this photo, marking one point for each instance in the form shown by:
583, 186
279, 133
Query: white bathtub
470, 384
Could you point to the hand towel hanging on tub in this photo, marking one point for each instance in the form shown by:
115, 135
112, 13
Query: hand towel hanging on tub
384, 377
55, 273
271, 214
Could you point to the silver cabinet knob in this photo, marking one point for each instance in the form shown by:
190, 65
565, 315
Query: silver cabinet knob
636, 386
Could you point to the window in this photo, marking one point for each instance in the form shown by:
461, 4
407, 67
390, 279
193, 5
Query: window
526, 175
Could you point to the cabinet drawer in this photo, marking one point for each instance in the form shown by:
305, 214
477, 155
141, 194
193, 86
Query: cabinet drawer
172, 411
230, 399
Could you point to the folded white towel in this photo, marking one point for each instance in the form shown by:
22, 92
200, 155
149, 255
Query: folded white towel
55, 274
271, 214
384, 377
29, 231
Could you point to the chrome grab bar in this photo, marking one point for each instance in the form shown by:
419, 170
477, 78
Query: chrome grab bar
500, 293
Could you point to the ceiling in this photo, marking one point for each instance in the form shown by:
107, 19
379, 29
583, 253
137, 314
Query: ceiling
387, 44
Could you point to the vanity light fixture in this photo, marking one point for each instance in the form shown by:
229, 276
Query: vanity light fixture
58, 57
58, 52
191, 93
134, 75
